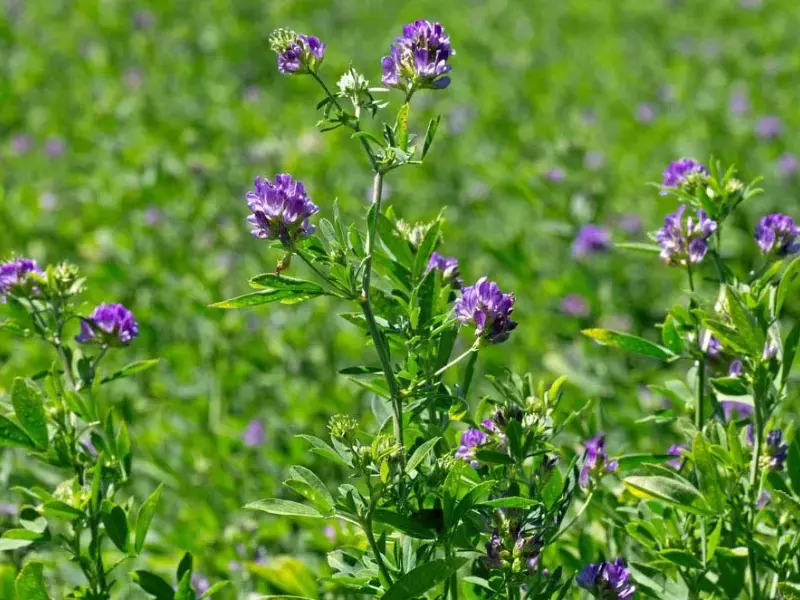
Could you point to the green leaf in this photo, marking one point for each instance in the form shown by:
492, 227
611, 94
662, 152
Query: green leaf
185, 591
409, 527
670, 336
639, 247
789, 352
276, 506
20, 538
133, 368
727, 336
62, 510
707, 474
494, 458
266, 297
786, 281
425, 250
29, 409
312, 488
215, 588
681, 558
145, 517
793, 463
713, 541
631, 343
286, 574
430, 134
186, 564
510, 502
30, 583
744, 322
116, 523
789, 590
672, 491
420, 453
12, 436
421, 579
401, 128
730, 386
629, 462
470, 499
273, 281
153, 585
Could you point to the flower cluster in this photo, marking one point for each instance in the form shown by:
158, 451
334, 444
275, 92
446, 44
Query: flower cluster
776, 450
777, 234
297, 53
607, 580
109, 325
595, 462
683, 173
519, 550
677, 451
448, 267
471, 440
14, 275
684, 241
591, 239
489, 309
281, 209
419, 58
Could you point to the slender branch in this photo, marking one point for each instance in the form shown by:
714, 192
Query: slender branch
758, 434
574, 518
320, 274
701, 363
376, 551
456, 360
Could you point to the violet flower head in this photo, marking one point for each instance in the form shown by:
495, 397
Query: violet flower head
591, 239
777, 234
281, 209
470, 440
493, 547
607, 581
711, 345
21, 144
739, 102
769, 127
489, 309
770, 351
682, 240
556, 175
54, 147
200, 583
645, 113
682, 172
736, 368
109, 325
255, 434
788, 164
734, 410
775, 450
630, 223
575, 305
14, 276
677, 451
298, 53
419, 58
763, 499
595, 461
448, 266
594, 160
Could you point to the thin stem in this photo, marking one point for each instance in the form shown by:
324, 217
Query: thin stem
755, 464
574, 518
366, 305
376, 551
456, 360
100, 572
320, 274
701, 363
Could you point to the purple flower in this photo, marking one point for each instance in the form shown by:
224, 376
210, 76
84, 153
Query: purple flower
447, 265
14, 276
595, 461
631, 224
134, 77
591, 239
489, 309
676, 450
575, 305
470, 440
493, 547
21, 143
330, 533
556, 174
681, 172
297, 53
54, 147
152, 216
200, 583
777, 233
763, 500
736, 368
281, 209
608, 581
143, 19
776, 450
645, 113
788, 164
255, 434
10, 510
734, 410
770, 351
739, 102
419, 58
685, 240
769, 127
109, 325
711, 345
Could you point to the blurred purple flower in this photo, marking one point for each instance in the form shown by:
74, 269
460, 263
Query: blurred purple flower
751, 4
14, 275
48, 201
330, 533
90, 448
493, 547
143, 19
736, 368
7, 509
764, 499
109, 324
739, 103
255, 434
556, 175
778, 234
152, 216
607, 581
645, 113
488, 308
776, 450
54, 147
631, 224
200, 583
595, 461
788, 164
676, 450
734, 410
575, 305
711, 345
770, 351
591, 239
419, 58
594, 160
769, 127
133, 77
685, 240
21, 144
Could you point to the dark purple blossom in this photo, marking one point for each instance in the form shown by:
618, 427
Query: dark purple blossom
556, 174
255, 434
769, 127
109, 325
200, 583
281, 209
630, 223
682, 171
711, 345
734, 410
493, 547
677, 451
297, 53
575, 305
788, 164
645, 113
736, 368
470, 440
775, 450
682, 240
595, 461
419, 58
778, 234
448, 267
606, 580
591, 239
489, 309
14, 276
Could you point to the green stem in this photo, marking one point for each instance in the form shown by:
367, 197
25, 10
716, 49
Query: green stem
376, 551
455, 361
574, 518
378, 339
334, 284
755, 464
96, 550
701, 363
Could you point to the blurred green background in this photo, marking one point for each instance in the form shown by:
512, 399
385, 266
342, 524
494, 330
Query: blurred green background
130, 131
